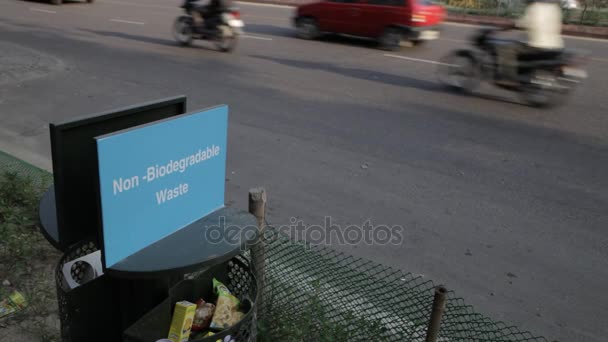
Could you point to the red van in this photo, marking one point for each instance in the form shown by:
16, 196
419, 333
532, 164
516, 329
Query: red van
389, 21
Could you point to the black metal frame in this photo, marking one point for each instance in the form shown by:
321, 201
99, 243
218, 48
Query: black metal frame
68, 235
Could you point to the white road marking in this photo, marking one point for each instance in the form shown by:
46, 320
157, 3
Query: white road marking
127, 21
41, 10
416, 59
255, 37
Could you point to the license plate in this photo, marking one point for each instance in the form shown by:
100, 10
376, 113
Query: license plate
429, 35
574, 72
235, 23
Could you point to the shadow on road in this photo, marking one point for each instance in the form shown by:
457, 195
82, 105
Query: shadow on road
329, 38
386, 78
123, 35
270, 30
489, 97
64, 2
332, 38
362, 74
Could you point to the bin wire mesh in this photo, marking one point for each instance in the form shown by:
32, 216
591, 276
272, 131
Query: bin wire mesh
66, 312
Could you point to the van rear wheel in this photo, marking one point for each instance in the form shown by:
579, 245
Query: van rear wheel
308, 28
391, 39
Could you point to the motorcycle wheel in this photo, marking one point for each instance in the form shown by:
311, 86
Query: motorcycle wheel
544, 90
459, 71
226, 39
182, 30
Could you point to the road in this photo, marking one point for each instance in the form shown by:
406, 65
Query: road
505, 204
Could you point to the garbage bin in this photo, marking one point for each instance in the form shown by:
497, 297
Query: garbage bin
88, 309
236, 274
97, 307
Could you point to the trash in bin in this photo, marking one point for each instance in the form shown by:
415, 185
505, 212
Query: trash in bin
82, 270
211, 333
13, 303
203, 315
237, 277
183, 316
226, 310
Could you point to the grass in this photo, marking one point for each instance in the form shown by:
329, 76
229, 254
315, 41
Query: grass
26, 259
313, 321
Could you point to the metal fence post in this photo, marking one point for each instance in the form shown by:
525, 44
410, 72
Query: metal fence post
257, 207
432, 333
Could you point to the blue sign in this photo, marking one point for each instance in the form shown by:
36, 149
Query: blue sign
158, 178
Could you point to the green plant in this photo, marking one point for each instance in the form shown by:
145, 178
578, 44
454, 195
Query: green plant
18, 207
317, 321
26, 259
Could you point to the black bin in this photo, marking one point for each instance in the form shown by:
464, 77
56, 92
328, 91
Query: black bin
235, 274
89, 312
102, 307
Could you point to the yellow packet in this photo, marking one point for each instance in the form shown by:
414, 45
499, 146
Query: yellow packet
181, 324
15, 302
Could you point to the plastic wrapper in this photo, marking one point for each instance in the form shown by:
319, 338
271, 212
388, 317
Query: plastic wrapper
15, 302
226, 310
203, 315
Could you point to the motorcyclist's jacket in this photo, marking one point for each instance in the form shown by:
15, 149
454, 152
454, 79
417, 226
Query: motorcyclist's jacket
543, 23
219, 6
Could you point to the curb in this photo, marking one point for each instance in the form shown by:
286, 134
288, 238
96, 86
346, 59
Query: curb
570, 30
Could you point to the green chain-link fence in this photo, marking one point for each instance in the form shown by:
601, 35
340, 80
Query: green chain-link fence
10, 164
314, 293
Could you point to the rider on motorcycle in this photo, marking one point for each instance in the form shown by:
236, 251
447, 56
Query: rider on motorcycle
210, 13
542, 21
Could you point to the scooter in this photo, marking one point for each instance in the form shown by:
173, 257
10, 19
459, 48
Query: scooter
543, 79
223, 32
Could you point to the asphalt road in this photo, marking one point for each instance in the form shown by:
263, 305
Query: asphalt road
505, 204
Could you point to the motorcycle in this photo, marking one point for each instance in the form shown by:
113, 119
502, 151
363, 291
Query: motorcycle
224, 30
543, 79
